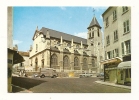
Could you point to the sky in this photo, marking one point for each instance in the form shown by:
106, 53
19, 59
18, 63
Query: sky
71, 20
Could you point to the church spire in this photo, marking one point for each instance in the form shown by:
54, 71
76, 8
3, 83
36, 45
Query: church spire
94, 21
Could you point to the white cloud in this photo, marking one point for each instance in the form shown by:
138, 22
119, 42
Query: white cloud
81, 34
17, 42
63, 8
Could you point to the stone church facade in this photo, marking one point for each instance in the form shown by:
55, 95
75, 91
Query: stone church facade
65, 52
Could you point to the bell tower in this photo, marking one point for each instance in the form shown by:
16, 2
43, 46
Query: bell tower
94, 41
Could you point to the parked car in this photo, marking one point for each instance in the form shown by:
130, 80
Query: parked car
85, 75
48, 72
100, 75
36, 75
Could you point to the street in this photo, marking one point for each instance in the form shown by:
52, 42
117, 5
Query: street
65, 85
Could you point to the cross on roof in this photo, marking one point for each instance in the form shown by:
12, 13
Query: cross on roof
94, 11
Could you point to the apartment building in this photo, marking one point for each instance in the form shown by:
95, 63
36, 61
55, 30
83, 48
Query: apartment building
117, 37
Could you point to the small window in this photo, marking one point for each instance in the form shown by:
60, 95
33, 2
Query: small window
89, 35
128, 47
126, 26
125, 8
21, 64
108, 40
107, 22
115, 36
98, 43
36, 47
113, 54
93, 34
116, 52
114, 15
98, 32
109, 54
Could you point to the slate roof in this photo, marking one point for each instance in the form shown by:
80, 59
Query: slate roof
65, 36
94, 22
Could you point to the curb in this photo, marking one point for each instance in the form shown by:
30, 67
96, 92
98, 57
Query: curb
113, 84
67, 77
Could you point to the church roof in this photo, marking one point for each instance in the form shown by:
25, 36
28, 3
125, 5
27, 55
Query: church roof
65, 36
94, 22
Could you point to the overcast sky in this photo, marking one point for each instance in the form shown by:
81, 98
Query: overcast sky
71, 20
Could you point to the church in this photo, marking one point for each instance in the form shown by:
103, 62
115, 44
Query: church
65, 52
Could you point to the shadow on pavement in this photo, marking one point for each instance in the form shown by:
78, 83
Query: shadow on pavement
26, 83
16, 89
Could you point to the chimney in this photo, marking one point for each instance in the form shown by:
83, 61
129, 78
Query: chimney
30, 47
16, 47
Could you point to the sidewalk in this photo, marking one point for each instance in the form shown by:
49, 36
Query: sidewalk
25, 91
20, 89
113, 84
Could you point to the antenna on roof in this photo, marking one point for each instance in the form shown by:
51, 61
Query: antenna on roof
94, 11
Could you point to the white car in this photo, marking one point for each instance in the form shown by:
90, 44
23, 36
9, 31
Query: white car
86, 75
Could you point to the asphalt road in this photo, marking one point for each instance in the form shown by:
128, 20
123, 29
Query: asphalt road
65, 85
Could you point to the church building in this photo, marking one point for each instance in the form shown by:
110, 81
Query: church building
65, 52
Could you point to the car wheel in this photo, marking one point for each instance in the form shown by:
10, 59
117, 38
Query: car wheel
42, 76
54, 76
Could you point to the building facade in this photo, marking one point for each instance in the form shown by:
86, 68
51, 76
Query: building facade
117, 36
22, 66
13, 56
65, 52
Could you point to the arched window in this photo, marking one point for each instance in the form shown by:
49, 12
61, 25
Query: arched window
84, 62
66, 61
89, 35
93, 34
76, 61
98, 32
54, 60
